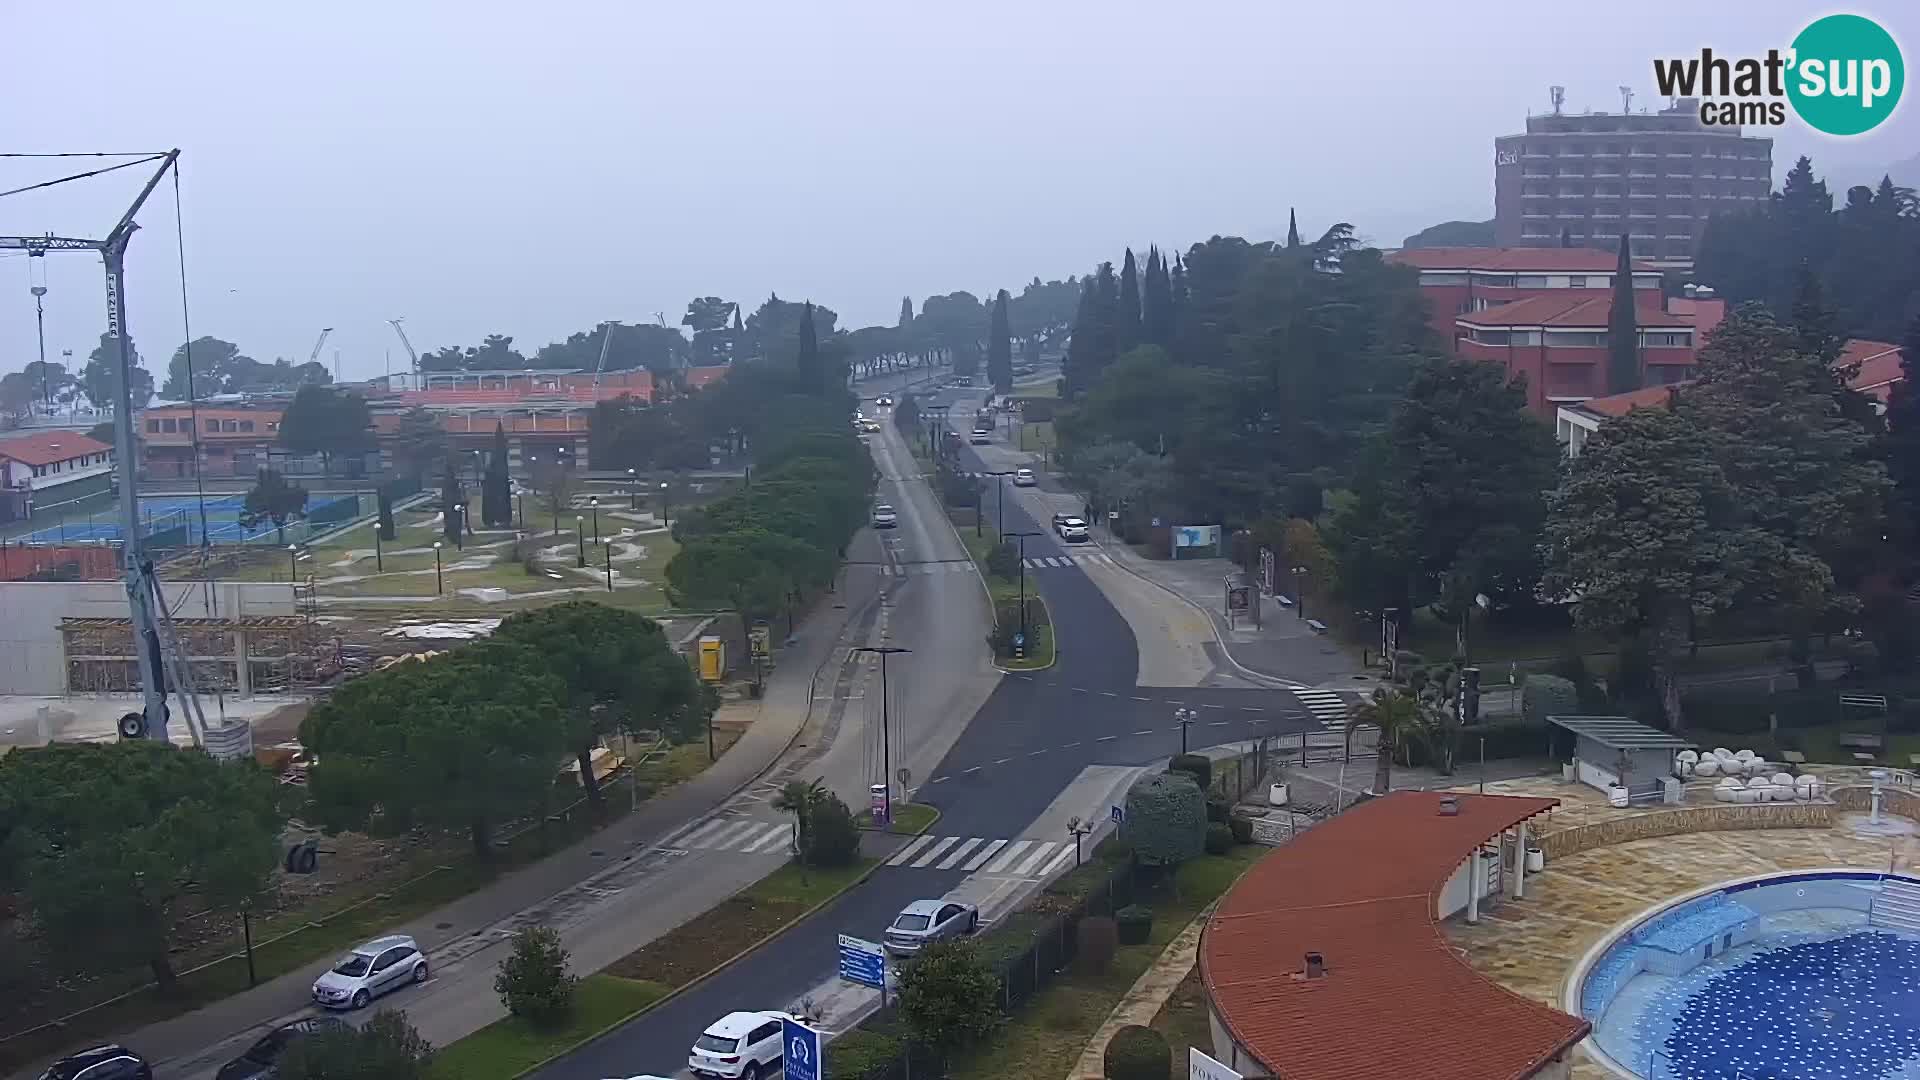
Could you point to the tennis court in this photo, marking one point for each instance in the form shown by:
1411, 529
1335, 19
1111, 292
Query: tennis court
176, 521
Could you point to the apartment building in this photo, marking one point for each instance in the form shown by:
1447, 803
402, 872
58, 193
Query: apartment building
1462, 281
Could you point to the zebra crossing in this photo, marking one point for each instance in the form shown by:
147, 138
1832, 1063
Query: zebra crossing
1085, 558
746, 836
1327, 706
978, 854
1033, 562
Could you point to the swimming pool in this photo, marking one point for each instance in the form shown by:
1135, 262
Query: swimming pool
175, 521
1808, 974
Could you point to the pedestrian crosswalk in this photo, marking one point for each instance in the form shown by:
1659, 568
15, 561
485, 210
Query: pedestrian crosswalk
1327, 706
926, 569
1089, 558
962, 566
747, 836
977, 854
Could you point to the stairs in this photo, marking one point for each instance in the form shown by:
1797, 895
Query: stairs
1897, 906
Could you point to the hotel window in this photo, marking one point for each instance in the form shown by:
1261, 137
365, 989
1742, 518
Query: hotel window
213, 425
246, 425
170, 426
1665, 339
153, 427
1577, 281
1575, 338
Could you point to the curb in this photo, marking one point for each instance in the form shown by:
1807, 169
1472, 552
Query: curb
705, 975
1048, 666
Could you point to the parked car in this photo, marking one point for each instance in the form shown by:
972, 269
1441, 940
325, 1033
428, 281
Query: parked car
925, 921
1062, 517
884, 517
262, 1060
981, 438
739, 1046
1073, 531
1024, 478
883, 401
870, 426
370, 970
109, 1062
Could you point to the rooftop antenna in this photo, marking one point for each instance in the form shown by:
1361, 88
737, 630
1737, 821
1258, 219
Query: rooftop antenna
1559, 96
1626, 99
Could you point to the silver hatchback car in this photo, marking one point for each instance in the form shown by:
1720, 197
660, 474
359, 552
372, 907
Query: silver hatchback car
923, 922
370, 970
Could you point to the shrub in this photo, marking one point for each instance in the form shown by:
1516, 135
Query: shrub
1166, 819
1134, 923
949, 996
1219, 838
1096, 939
862, 1055
1542, 696
1219, 808
1199, 765
1004, 561
387, 1046
1241, 827
533, 982
833, 837
1138, 1053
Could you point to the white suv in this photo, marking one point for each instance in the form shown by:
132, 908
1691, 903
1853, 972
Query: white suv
1024, 478
739, 1046
1073, 531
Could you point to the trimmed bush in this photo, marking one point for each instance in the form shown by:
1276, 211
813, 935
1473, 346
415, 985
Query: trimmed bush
1138, 1053
1134, 924
1166, 819
1219, 838
1004, 561
1199, 765
862, 1055
1096, 938
533, 982
833, 837
1542, 696
1219, 808
1241, 827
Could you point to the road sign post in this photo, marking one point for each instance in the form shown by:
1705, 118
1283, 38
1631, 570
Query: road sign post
864, 962
800, 1052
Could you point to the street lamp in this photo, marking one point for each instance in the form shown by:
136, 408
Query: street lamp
609, 550
1000, 496
460, 526
580, 539
666, 505
520, 508
593, 503
293, 562
1077, 829
439, 582
1186, 718
633, 490
1299, 594
1020, 538
886, 744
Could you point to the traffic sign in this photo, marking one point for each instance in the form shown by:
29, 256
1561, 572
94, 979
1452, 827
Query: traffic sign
1118, 814
1019, 639
799, 1051
863, 962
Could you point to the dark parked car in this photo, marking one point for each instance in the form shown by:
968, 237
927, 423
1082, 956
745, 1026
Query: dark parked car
110, 1062
262, 1059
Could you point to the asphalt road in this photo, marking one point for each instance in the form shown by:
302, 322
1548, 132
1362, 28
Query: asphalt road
1028, 740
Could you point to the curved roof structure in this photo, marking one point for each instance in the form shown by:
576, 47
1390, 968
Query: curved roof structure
1361, 890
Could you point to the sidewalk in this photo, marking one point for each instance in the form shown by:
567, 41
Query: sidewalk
777, 721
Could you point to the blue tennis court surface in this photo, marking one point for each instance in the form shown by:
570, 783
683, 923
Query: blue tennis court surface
175, 520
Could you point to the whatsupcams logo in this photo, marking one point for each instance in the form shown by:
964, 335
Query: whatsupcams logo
1842, 75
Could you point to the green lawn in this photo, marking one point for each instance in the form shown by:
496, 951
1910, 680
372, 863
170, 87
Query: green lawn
909, 819
507, 1048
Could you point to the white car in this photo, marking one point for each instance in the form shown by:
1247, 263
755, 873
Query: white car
370, 970
1073, 531
884, 517
981, 438
740, 1046
883, 401
924, 922
1024, 478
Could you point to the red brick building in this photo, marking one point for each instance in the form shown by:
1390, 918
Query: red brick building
1462, 281
1560, 344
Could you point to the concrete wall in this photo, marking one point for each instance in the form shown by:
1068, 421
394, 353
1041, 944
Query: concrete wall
1689, 819
32, 656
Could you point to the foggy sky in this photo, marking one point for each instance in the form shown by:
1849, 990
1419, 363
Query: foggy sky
532, 169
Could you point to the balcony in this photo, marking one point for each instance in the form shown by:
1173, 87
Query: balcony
1601, 216
1605, 175
1638, 216
1606, 153
1569, 215
1606, 194
1643, 154
1534, 217
1536, 195
1643, 176
1641, 195
1679, 176
1534, 155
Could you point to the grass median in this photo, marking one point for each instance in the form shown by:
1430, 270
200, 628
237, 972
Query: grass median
1006, 593
909, 819
512, 1047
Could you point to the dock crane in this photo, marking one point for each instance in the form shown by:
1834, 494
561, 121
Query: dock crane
411, 354
317, 342
606, 339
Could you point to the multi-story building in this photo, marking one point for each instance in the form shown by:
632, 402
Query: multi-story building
1461, 281
45, 467
1657, 177
1560, 344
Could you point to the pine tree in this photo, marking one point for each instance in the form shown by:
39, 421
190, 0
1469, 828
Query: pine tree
807, 362
1815, 324
1156, 302
1000, 346
450, 496
496, 506
1129, 322
906, 312
1623, 333
1293, 230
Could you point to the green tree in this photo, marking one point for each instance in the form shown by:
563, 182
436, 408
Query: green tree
419, 443
833, 837
1156, 302
1293, 229
1096, 332
949, 997
1166, 819
466, 739
1623, 332
109, 844
956, 324
327, 421
214, 361
386, 1047
496, 490
798, 797
100, 379
1129, 322
1397, 717
452, 522
1544, 696
619, 672
1903, 437
1000, 346
533, 981
752, 571
807, 357
273, 499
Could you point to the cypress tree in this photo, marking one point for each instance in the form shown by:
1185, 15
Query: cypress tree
449, 497
1000, 346
1077, 365
1129, 306
1293, 230
1903, 434
807, 362
906, 312
496, 507
1623, 333
1156, 302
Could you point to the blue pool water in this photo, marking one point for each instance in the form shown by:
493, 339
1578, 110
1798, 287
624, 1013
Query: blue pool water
1770, 980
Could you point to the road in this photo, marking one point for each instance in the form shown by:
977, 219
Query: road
1033, 737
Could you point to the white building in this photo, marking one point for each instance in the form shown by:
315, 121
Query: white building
42, 460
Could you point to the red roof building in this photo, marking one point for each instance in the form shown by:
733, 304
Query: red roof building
1462, 281
1326, 961
41, 460
1560, 344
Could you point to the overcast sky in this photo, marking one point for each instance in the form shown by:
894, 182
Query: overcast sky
531, 169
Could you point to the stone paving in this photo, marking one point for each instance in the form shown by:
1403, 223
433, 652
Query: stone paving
1532, 945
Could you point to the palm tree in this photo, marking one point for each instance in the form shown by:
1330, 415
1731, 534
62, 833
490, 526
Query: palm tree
797, 797
1398, 716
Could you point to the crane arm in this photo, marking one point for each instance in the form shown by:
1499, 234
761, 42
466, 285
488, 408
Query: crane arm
321, 340
411, 354
606, 339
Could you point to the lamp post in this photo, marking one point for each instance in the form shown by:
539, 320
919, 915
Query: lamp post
609, 550
593, 504
439, 581
633, 490
886, 743
460, 526
1186, 718
580, 539
520, 508
293, 562
1000, 496
1020, 538
666, 504
1299, 592
1077, 829
379, 563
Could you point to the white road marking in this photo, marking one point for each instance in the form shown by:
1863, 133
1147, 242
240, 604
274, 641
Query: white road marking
1013, 852
1033, 861
959, 853
906, 853
1059, 860
985, 853
778, 833
934, 851
707, 832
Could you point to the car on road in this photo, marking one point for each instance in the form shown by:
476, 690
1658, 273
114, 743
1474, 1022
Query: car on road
980, 438
1061, 517
383, 964
923, 922
885, 517
109, 1062
261, 1061
870, 426
883, 401
1073, 531
1024, 478
739, 1046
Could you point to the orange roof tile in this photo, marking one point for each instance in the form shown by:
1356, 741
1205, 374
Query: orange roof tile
1879, 366
47, 447
1545, 260
1647, 397
1582, 310
1360, 889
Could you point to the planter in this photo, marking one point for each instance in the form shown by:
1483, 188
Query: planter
1134, 924
1536, 860
1566, 772
1277, 795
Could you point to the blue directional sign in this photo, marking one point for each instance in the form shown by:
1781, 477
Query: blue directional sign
863, 962
800, 1052
1118, 815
